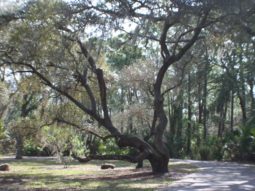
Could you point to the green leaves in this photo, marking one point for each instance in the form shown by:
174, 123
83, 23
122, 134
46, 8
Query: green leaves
3, 95
121, 53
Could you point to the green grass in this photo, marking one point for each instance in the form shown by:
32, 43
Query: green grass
47, 174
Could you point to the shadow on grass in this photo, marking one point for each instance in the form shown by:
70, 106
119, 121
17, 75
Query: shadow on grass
41, 161
140, 182
44, 173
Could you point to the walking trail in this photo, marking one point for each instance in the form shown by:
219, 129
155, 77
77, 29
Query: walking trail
216, 176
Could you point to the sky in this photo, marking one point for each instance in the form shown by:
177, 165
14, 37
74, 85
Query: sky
9, 5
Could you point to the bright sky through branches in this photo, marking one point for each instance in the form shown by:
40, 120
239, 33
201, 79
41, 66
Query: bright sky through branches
10, 5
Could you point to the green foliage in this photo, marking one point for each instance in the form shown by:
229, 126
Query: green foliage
204, 152
6, 145
240, 145
24, 127
2, 130
32, 149
123, 54
211, 149
78, 145
176, 146
3, 95
60, 139
110, 147
56, 137
216, 148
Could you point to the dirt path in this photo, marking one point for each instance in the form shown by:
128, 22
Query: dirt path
216, 176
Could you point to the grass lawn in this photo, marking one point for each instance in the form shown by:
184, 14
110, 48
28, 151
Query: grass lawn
42, 174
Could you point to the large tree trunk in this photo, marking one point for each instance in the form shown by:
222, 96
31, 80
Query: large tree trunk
159, 159
19, 147
159, 165
139, 164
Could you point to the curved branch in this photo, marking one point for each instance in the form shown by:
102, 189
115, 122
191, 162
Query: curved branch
71, 98
83, 79
105, 157
102, 89
101, 82
176, 57
132, 159
83, 129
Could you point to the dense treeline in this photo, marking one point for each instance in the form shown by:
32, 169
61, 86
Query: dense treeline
129, 80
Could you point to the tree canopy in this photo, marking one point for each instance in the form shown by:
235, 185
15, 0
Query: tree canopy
164, 55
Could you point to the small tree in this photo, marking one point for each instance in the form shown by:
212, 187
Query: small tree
60, 139
21, 129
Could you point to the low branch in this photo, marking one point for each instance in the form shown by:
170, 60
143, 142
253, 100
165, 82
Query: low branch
101, 83
194, 38
104, 157
128, 158
104, 138
62, 92
47, 124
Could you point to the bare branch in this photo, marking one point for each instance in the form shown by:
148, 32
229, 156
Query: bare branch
100, 78
90, 131
180, 81
54, 87
133, 159
83, 80
105, 157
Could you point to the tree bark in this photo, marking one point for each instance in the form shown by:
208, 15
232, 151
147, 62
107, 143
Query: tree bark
139, 164
207, 63
251, 84
232, 112
242, 102
158, 161
189, 117
159, 164
19, 147
221, 127
200, 105
241, 91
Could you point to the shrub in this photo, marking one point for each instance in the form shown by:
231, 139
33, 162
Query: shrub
33, 149
110, 147
240, 144
205, 152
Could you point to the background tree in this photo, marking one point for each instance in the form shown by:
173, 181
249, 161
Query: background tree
21, 112
3, 97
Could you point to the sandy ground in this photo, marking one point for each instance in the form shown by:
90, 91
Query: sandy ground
216, 176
